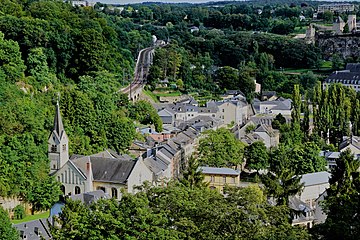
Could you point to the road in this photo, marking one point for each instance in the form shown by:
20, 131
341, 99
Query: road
141, 71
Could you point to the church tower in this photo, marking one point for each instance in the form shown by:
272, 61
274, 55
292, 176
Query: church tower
58, 143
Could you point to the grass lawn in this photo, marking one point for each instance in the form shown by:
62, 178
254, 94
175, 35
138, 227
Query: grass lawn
170, 94
32, 217
300, 30
151, 95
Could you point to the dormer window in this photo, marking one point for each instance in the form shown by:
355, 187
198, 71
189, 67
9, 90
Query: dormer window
53, 148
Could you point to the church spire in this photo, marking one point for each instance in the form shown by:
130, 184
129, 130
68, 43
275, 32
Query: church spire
58, 143
58, 124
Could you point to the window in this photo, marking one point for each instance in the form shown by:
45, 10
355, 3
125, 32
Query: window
53, 148
224, 179
212, 179
233, 180
223, 110
54, 166
62, 189
101, 188
114, 193
64, 147
77, 190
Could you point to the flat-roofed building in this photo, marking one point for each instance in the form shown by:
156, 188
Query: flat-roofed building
338, 7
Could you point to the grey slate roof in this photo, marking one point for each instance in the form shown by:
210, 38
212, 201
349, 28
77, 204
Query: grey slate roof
355, 141
107, 169
90, 197
353, 67
219, 171
315, 178
111, 170
34, 230
58, 124
166, 112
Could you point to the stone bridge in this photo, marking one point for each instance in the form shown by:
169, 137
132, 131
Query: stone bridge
142, 67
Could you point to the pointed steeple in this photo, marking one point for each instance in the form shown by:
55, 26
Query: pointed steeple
58, 124
58, 143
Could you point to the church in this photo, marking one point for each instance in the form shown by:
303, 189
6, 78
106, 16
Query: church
106, 171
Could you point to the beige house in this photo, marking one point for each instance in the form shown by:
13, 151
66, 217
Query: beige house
218, 178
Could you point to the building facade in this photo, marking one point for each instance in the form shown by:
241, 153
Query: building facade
218, 178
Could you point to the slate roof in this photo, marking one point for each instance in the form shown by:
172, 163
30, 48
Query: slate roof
268, 93
353, 67
111, 170
279, 105
219, 171
355, 141
156, 165
34, 230
329, 154
315, 178
107, 169
166, 112
58, 124
90, 197
265, 128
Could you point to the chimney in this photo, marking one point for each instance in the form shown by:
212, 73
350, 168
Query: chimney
89, 176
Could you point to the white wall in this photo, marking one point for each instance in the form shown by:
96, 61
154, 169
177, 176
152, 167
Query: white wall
138, 176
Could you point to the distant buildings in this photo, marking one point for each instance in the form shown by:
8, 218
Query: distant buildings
232, 109
336, 7
82, 3
349, 77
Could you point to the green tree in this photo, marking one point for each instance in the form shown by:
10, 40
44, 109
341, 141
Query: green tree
342, 201
43, 194
192, 176
38, 68
278, 121
220, 148
296, 105
328, 16
12, 66
337, 62
145, 113
282, 185
257, 156
305, 123
6, 230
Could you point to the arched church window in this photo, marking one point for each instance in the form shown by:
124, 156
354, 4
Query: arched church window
114, 193
64, 147
77, 190
62, 189
53, 148
101, 188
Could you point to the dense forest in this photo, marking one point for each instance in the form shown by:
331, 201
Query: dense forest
50, 48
